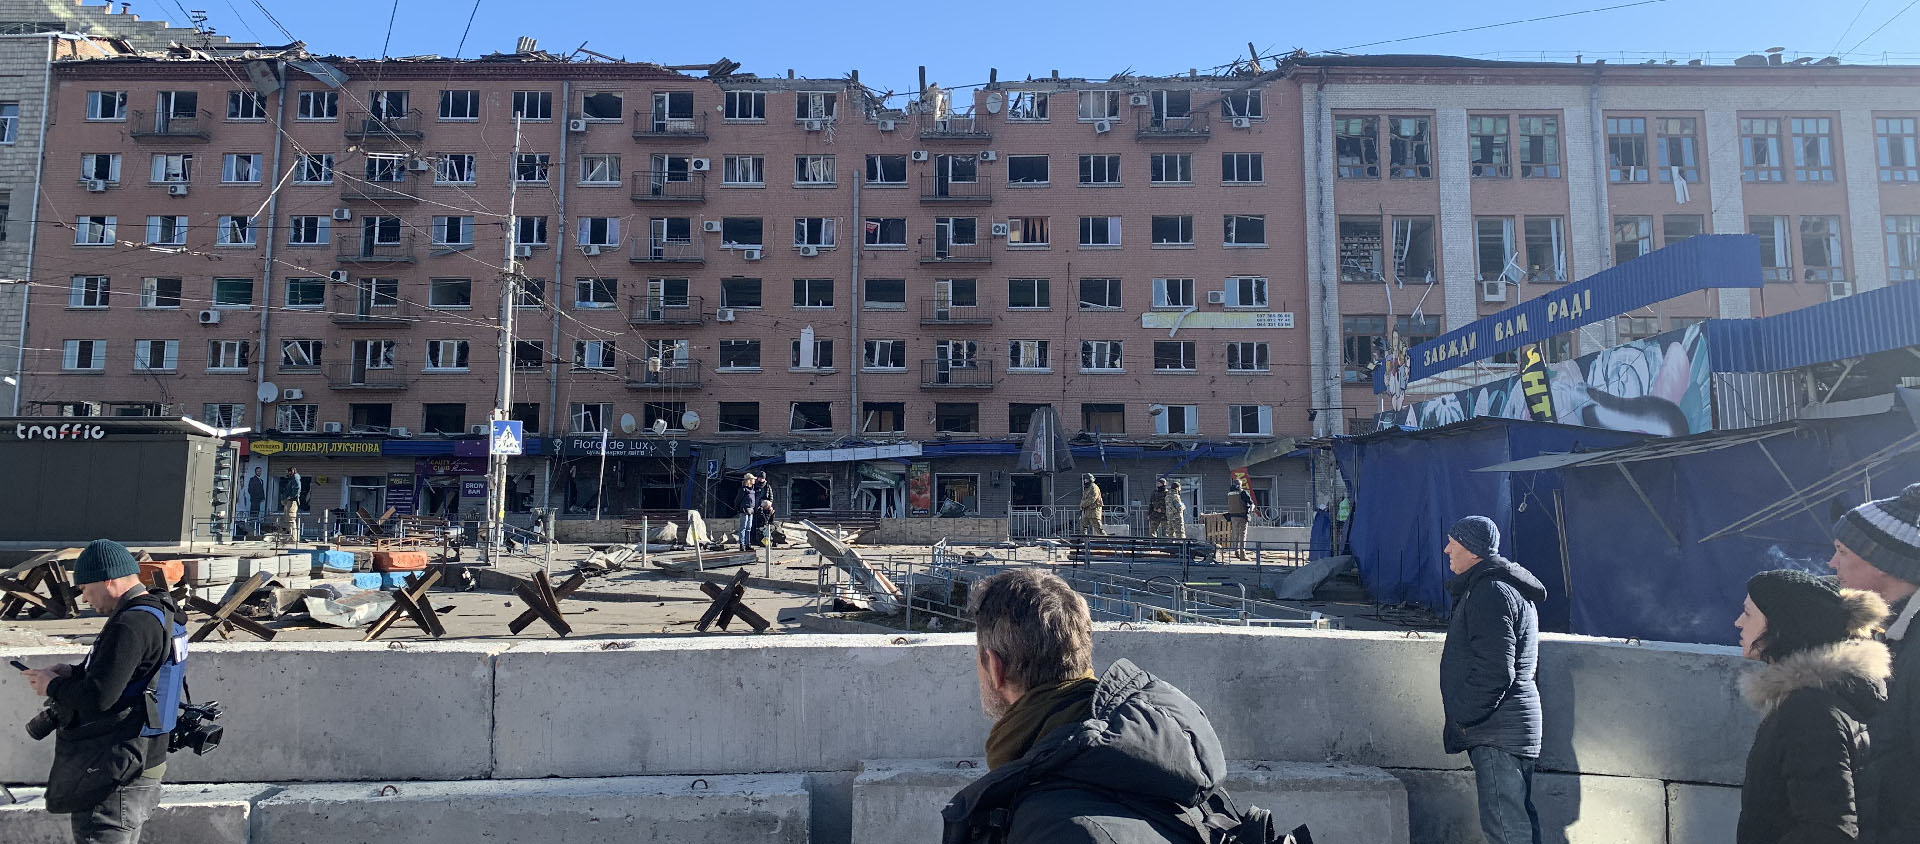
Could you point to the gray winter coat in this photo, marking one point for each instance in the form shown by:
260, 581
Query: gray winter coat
1487, 667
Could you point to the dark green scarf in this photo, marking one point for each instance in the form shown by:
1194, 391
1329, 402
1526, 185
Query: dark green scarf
1037, 713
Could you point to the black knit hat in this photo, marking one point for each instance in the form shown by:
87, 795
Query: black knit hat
1797, 600
1886, 533
1478, 534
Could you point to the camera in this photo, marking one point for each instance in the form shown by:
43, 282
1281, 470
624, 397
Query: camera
43, 724
195, 730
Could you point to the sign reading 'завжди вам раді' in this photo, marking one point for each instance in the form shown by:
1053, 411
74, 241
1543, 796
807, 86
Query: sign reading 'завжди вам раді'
1697, 263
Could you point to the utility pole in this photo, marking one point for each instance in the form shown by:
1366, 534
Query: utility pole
503, 401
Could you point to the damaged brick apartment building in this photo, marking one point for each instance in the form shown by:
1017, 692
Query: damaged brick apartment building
778, 272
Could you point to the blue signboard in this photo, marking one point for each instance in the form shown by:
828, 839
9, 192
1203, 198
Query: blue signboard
1697, 263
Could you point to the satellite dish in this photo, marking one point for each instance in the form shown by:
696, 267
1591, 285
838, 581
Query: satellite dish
627, 424
690, 420
659, 427
993, 102
268, 393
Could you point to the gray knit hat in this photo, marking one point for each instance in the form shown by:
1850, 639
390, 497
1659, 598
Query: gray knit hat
1886, 533
103, 559
1478, 534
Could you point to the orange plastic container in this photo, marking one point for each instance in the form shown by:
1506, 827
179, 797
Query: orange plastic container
175, 571
399, 560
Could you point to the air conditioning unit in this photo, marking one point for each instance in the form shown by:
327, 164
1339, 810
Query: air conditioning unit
1243, 123
1101, 127
750, 254
589, 249
419, 165
577, 125
723, 315
1493, 291
809, 251
338, 276
331, 427
293, 394
522, 251
918, 155
1839, 289
399, 432
1216, 297
700, 165
989, 155
96, 185
343, 213
1137, 99
816, 125
209, 317
480, 430
177, 190
1000, 229
710, 226
888, 125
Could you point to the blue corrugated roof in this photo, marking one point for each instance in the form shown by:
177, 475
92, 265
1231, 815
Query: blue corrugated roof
1862, 324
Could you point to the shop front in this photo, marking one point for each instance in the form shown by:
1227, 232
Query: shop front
610, 476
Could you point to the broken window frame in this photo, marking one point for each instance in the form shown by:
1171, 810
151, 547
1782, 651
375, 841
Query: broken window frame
1245, 102
1489, 147
1249, 356
1760, 150
1247, 291
816, 105
734, 232
884, 356
1171, 230
1177, 420
739, 355
741, 293
1353, 268
812, 293
454, 169
1027, 106
530, 230
603, 106
320, 105
1410, 147
1551, 243
388, 168
1103, 356
1678, 142
160, 293
1678, 227
172, 168
744, 106
1902, 233
744, 170
1822, 249
101, 166
595, 355
1100, 294
810, 416
311, 168
446, 356
813, 171
309, 230
1021, 170
532, 105
1356, 144
167, 230
1100, 232
1776, 245
1028, 233
95, 230
879, 167
1539, 138
1098, 105
1495, 234
1162, 165
229, 355
1029, 294
460, 105
1812, 149
589, 417
1100, 170
1175, 356
822, 356
236, 230
1093, 414
157, 355
1029, 356
1242, 168
1632, 237
389, 105
532, 168
739, 417
246, 107
820, 232
1405, 267
599, 169
1244, 230
1173, 294
1627, 159
884, 294
876, 229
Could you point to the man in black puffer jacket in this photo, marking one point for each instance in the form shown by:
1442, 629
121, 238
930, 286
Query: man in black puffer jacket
1876, 547
1125, 759
1487, 678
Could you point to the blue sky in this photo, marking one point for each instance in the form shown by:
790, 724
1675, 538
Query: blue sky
959, 41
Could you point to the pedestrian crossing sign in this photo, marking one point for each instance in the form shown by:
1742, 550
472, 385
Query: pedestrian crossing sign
506, 437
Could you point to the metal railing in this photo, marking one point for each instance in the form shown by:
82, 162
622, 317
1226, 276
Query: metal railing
357, 376
656, 251
365, 252
934, 251
368, 309
384, 191
366, 125
1196, 126
669, 186
939, 311
940, 374
939, 190
655, 309
198, 125
953, 128
673, 374
654, 125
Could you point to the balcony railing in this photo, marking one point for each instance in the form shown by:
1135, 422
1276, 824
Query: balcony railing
939, 311
1193, 127
366, 252
657, 126
937, 190
666, 310
953, 128
365, 308
975, 374
673, 374
935, 251
354, 190
669, 186
655, 251
368, 126
359, 376
173, 127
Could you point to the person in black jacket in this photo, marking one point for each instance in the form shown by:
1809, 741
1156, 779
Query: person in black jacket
106, 775
1876, 547
1824, 678
1487, 678
749, 503
1073, 759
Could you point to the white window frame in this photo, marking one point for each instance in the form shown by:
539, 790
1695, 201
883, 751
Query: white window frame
223, 414
1098, 105
805, 289
1234, 166
1115, 294
1230, 229
240, 103
753, 103
1165, 161
1173, 294
165, 173
1248, 291
1186, 227
819, 232
309, 230
589, 417
1188, 414
822, 356
95, 230
538, 164
230, 225
1263, 416
881, 351
1101, 170
302, 354
452, 100
1249, 356
90, 292
1090, 228
439, 351
286, 296
1029, 356
160, 226
603, 232
818, 171
447, 169
296, 418
240, 168
455, 225
541, 100
1189, 355
1038, 285
229, 355
90, 166
94, 359
879, 225
150, 293
530, 231
107, 106
752, 167
143, 355
320, 105
585, 287
1021, 231
306, 164
597, 355
599, 169
1093, 354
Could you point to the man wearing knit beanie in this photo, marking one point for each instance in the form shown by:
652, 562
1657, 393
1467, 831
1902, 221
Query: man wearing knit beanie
1876, 547
102, 701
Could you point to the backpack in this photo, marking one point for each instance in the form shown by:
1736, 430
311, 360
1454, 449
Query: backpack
1219, 822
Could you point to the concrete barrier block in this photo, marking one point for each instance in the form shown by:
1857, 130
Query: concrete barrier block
1695, 729
684, 810
312, 712
900, 800
1573, 809
188, 814
1702, 814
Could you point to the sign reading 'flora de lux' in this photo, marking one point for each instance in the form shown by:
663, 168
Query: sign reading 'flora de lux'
67, 431
317, 448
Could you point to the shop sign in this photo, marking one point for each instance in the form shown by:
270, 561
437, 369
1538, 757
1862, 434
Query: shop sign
473, 489
65, 431
920, 488
316, 448
400, 493
451, 465
576, 446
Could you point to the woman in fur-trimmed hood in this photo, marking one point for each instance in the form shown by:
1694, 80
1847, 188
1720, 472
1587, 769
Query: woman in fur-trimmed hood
1823, 678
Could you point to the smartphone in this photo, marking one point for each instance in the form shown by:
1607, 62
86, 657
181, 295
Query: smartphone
17, 664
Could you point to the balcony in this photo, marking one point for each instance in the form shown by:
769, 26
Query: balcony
669, 186
380, 192
674, 374
362, 308
359, 376
369, 252
172, 128
943, 311
953, 128
936, 251
368, 126
1193, 127
947, 375
658, 251
657, 126
938, 190
666, 310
